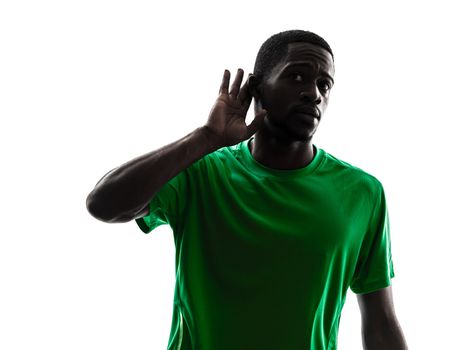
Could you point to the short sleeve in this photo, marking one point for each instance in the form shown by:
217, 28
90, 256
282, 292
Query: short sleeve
167, 205
375, 265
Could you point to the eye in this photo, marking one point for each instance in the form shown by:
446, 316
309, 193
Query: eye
324, 85
297, 76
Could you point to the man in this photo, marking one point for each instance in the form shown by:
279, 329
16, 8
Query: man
270, 231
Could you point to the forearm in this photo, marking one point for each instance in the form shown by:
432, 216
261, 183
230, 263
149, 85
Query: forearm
388, 336
127, 189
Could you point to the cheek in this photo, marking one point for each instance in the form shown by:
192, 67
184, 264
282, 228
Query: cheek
282, 98
324, 103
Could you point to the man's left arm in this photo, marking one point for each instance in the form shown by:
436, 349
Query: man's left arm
380, 327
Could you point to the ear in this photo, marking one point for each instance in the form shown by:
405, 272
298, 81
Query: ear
253, 84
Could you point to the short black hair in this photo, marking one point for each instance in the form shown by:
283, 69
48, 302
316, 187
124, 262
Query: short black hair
275, 48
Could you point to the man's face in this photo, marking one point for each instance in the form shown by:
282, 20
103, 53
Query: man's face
296, 91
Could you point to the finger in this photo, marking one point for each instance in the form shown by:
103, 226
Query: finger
237, 82
245, 103
244, 93
223, 89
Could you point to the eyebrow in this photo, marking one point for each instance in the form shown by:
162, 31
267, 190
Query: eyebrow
307, 64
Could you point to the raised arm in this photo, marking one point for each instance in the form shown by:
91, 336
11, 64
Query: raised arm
125, 192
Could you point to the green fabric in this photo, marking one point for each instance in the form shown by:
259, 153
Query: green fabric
264, 257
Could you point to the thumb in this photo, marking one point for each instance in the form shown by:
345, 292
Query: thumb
256, 122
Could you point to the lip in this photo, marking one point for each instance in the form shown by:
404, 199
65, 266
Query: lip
308, 111
307, 118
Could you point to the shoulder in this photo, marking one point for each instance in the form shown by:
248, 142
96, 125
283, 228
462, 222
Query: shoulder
222, 158
350, 174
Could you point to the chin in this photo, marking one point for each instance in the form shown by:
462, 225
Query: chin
295, 136
304, 135
290, 134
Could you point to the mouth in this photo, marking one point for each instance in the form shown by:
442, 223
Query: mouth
308, 112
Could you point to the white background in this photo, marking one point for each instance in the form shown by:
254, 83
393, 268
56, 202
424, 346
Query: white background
88, 85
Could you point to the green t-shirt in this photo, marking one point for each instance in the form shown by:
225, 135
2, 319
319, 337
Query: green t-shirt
264, 257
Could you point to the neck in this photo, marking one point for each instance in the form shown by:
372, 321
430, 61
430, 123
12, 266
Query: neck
281, 154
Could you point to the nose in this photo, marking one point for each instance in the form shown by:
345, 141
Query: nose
311, 94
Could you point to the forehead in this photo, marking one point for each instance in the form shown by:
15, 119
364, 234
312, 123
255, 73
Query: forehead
307, 53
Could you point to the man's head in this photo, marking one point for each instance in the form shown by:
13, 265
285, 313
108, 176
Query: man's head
275, 48
292, 78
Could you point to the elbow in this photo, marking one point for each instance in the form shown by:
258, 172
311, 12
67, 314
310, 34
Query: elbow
95, 209
100, 211
109, 205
